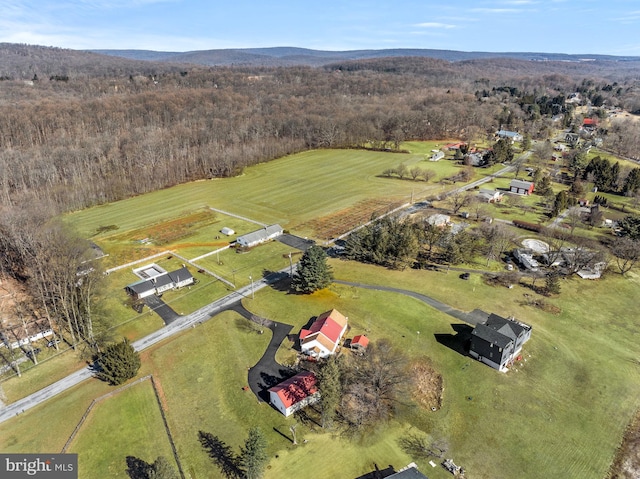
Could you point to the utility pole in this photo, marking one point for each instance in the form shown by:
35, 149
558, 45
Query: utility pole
252, 294
290, 266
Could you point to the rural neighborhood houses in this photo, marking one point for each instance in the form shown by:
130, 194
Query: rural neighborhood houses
490, 196
323, 337
497, 341
521, 187
156, 280
294, 393
259, 236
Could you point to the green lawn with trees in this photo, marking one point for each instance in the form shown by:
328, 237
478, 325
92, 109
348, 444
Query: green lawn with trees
482, 410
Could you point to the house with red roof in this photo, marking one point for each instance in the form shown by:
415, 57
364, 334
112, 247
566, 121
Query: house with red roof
323, 337
294, 393
590, 123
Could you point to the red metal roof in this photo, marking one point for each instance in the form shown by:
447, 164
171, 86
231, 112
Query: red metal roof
590, 121
295, 389
329, 324
360, 340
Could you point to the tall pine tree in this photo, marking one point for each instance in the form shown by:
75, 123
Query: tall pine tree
253, 455
313, 271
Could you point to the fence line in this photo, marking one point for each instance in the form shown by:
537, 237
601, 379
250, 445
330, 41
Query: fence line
122, 266
94, 402
166, 426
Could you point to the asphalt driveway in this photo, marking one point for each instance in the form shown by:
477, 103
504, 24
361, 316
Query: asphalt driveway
266, 372
163, 310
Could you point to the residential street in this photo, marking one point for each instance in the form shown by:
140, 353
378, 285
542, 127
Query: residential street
188, 321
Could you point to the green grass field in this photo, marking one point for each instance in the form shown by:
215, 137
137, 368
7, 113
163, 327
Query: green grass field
544, 420
138, 431
561, 414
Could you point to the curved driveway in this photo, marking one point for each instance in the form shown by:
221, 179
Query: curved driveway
266, 372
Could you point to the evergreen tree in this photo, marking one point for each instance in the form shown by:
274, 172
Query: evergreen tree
552, 283
560, 204
329, 384
313, 271
162, 469
253, 456
118, 363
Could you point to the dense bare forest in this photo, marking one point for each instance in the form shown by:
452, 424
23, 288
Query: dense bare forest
77, 130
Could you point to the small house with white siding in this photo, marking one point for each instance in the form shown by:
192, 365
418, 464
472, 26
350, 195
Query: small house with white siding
259, 236
159, 283
295, 393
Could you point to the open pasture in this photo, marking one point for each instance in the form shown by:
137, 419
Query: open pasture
291, 191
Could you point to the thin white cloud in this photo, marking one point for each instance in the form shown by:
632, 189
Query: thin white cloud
436, 25
496, 10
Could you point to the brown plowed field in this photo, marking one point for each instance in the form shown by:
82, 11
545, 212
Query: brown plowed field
335, 224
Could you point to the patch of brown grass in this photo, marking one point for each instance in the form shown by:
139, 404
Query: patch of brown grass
626, 465
427, 384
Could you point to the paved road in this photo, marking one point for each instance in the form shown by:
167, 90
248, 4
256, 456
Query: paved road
186, 322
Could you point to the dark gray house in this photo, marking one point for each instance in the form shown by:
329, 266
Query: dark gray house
497, 341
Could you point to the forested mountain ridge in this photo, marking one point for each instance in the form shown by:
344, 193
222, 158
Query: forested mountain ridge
288, 56
101, 128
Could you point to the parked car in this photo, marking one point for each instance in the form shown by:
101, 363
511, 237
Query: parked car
52, 343
33, 352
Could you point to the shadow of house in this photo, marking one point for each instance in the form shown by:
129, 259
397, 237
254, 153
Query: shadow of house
458, 342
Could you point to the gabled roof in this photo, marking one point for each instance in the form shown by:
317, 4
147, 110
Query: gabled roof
323, 340
360, 340
142, 286
296, 388
260, 235
499, 331
180, 275
521, 184
408, 473
330, 324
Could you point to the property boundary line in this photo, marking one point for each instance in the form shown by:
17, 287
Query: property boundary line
122, 266
117, 391
238, 216
166, 426
210, 253
96, 401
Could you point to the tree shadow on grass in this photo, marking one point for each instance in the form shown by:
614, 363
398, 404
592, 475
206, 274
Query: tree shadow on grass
221, 455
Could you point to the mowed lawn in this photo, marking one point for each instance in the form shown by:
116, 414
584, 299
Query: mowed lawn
290, 191
562, 414
126, 424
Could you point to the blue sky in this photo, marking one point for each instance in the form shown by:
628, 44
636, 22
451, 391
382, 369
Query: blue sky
557, 26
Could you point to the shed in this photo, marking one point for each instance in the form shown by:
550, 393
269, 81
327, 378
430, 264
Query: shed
359, 342
227, 231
